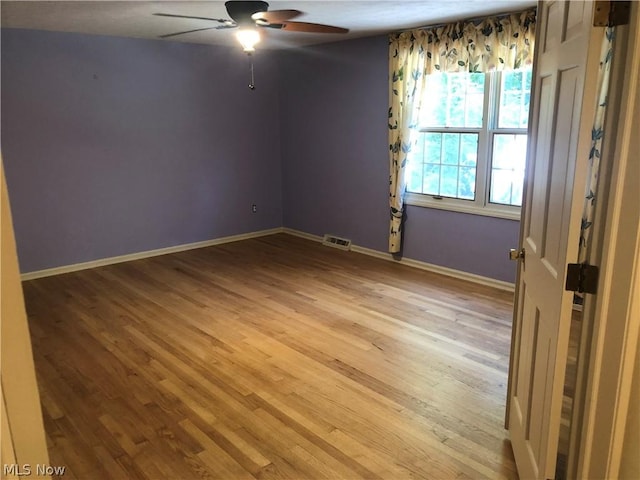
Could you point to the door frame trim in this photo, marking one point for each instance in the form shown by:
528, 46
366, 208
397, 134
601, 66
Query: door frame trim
616, 327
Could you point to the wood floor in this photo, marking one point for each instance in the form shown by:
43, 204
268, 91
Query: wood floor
271, 358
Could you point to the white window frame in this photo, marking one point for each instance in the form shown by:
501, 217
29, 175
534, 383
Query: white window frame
481, 204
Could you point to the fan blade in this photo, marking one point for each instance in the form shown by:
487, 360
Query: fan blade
189, 31
219, 20
276, 16
312, 28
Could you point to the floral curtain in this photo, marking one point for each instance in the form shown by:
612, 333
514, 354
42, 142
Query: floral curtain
496, 43
597, 137
407, 81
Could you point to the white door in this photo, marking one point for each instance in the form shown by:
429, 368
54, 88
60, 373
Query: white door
562, 111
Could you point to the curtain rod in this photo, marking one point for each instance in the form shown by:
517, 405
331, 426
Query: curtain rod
467, 20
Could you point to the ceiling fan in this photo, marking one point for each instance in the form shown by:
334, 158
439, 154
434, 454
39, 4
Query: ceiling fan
247, 15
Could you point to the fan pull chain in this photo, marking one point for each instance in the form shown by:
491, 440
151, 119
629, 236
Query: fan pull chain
252, 85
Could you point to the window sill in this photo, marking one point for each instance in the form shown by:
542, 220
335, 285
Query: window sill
461, 206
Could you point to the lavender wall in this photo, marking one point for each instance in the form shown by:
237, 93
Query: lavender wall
334, 142
335, 164
113, 146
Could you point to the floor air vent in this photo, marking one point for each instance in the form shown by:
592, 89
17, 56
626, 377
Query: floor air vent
336, 242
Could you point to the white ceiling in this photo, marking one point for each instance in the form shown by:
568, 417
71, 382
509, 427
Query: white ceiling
135, 19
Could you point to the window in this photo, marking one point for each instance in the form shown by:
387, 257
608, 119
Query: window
472, 141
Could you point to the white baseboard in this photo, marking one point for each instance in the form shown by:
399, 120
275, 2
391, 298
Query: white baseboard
450, 272
149, 253
470, 277
298, 233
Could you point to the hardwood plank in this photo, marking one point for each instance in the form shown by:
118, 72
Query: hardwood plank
271, 358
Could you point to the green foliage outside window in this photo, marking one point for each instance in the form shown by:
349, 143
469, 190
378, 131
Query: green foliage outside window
459, 127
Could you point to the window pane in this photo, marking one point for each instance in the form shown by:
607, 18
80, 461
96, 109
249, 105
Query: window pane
431, 184
467, 183
446, 165
514, 99
432, 147
516, 190
446, 161
469, 149
449, 181
507, 168
475, 105
414, 179
501, 182
453, 100
451, 150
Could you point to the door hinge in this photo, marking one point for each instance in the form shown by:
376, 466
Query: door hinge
611, 13
582, 278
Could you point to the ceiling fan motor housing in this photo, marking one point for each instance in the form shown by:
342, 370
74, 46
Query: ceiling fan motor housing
241, 11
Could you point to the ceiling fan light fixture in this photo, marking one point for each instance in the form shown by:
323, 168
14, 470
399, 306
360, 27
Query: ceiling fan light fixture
248, 38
